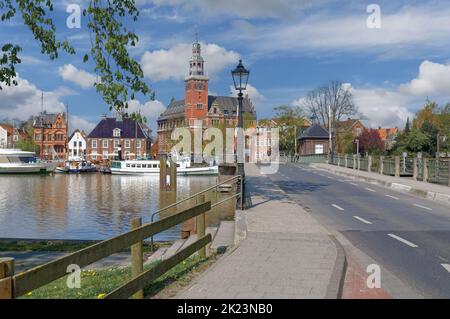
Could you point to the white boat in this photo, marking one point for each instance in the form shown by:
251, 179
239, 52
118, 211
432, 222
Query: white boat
151, 167
14, 161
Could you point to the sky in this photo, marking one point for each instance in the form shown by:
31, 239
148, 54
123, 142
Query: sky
392, 64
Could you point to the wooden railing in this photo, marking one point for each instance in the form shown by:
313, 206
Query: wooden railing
13, 286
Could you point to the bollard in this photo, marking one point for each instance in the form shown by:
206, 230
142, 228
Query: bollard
397, 166
369, 164
173, 176
425, 169
354, 161
6, 273
162, 173
201, 227
359, 162
415, 169
381, 165
137, 258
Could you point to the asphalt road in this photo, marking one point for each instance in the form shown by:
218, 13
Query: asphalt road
407, 235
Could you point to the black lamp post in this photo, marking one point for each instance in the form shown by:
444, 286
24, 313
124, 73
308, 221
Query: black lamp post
240, 79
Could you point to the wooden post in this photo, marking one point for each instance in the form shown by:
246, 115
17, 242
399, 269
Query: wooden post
173, 175
137, 258
425, 169
397, 166
369, 164
415, 169
201, 227
381, 165
6, 273
162, 173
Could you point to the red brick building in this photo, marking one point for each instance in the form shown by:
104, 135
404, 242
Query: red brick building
198, 107
50, 135
314, 141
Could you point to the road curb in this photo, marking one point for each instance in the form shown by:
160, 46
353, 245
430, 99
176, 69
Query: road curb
434, 196
336, 285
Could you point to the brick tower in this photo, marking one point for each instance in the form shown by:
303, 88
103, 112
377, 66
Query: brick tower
196, 87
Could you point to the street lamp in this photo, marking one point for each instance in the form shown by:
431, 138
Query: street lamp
240, 79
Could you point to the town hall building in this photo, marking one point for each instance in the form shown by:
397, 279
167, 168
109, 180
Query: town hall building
198, 107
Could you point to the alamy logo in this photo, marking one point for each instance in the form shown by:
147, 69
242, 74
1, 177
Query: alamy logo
374, 279
74, 277
374, 19
74, 19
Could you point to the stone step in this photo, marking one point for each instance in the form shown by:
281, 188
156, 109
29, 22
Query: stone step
172, 250
156, 256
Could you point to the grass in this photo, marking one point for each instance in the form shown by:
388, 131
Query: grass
95, 284
59, 245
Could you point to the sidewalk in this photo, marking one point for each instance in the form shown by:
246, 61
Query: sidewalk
430, 191
285, 253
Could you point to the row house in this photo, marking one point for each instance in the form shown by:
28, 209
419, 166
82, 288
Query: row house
77, 146
50, 135
112, 133
10, 136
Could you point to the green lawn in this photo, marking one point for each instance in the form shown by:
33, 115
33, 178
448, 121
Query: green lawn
97, 283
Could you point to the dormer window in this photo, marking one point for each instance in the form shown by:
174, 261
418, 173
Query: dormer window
116, 132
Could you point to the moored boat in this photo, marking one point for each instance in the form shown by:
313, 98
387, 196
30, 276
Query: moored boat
15, 161
151, 167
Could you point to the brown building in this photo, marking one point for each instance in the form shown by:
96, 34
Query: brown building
10, 136
314, 141
50, 135
198, 107
356, 127
104, 141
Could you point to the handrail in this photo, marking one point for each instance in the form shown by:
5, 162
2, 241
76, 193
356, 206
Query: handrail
238, 177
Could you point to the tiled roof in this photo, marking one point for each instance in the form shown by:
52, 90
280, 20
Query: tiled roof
46, 119
224, 103
315, 131
127, 127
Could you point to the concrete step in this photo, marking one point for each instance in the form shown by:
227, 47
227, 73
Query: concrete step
224, 237
172, 250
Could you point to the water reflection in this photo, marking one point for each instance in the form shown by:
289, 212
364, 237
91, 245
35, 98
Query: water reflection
91, 206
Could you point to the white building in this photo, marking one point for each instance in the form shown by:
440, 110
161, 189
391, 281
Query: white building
77, 146
3, 137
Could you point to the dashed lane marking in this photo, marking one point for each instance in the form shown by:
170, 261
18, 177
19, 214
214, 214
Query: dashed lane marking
363, 220
406, 242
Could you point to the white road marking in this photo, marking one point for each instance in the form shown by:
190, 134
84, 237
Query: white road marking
338, 207
424, 207
363, 220
371, 190
393, 197
354, 184
410, 244
446, 266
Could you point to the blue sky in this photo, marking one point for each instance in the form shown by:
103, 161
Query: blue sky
290, 46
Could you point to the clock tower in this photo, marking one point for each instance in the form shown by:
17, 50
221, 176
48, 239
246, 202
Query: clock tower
196, 87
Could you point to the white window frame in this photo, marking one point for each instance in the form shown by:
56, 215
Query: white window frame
94, 143
127, 144
105, 144
116, 132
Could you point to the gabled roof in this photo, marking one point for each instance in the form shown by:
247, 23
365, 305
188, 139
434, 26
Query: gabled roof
83, 134
127, 127
315, 132
46, 119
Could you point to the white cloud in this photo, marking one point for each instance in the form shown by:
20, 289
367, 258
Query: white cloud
244, 9
24, 100
408, 31
77, 122
80, 77
433, 78
383, 107
151, 109
255, 96
173, 64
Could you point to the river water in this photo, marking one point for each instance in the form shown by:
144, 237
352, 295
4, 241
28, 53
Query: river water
91, 206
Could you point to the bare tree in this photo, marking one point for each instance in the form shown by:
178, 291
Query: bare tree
329, 104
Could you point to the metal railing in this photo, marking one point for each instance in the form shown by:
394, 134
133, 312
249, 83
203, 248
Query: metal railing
196, 197
438, 171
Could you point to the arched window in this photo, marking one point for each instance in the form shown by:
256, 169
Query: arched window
116, 132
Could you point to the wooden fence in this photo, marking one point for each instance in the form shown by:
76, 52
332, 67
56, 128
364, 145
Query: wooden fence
13, 286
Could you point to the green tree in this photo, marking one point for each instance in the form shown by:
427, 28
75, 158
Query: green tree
290, 121
414, 142
120, 77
